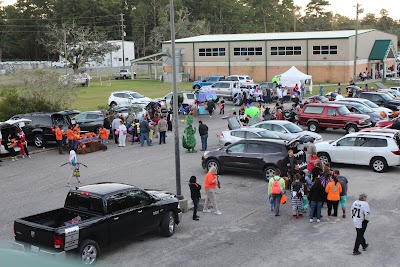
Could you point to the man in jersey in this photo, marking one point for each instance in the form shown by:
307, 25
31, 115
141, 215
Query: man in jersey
360, 213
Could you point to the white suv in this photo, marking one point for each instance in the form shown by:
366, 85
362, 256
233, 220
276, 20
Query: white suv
124, 98
241, 79
379, 150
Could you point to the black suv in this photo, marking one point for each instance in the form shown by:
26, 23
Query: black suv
256, 155
381, 99
42, 128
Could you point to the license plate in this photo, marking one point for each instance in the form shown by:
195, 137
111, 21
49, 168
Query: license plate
34, 249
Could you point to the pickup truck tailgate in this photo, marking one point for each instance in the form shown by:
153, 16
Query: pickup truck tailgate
34, 234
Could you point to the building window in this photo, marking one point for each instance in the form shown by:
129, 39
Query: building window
325, 50
211, 52
247, 51
286, 51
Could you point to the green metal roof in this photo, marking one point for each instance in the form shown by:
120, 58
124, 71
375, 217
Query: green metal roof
379, 50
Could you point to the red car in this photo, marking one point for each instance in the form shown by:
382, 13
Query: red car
319, 116
388, 123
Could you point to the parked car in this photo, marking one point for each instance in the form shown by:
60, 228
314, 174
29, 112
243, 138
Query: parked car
369, 104
41, 129
185, 99
318, 99
332, 96
262, 156
381, 99
387, 123
207, 81
123, 74
374, 149
393, 93
89, 121
82, 79
226, 89
10, 127
241, 79
95, 216
231, 136
319, 116
122, 98
358, 108
288, 130
140, 110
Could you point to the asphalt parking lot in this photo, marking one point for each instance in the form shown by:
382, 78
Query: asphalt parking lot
246, 234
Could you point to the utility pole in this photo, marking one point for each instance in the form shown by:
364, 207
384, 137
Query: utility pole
123, 39
359, 11
175, 104
65, 52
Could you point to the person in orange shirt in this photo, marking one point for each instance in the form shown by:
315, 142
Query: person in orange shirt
103, 135
70, 137
333, 189
59, 138
77, 129
210, 184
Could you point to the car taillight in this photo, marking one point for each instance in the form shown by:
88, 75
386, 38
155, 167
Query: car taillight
396, 152
52, 129
58, 241
220, 135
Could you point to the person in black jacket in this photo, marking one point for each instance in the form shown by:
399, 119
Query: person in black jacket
195, 195
317, 197
107, 125
291, 165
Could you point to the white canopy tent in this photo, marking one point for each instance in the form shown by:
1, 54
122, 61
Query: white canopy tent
293, 76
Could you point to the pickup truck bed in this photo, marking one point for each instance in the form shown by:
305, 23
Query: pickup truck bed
40, 229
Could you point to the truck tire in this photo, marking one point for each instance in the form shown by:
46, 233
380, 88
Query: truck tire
167, 227
313, 127
113, 104
89, 252
351, 128
39, 141
196, 87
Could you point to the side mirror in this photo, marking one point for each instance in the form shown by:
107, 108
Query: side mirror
228, 151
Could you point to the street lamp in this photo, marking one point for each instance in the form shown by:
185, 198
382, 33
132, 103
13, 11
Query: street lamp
358, 11
175, 103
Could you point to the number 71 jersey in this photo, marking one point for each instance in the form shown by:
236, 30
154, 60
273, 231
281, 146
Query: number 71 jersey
359, 212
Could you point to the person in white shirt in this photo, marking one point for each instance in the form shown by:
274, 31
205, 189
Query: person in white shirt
360, 213
122, 134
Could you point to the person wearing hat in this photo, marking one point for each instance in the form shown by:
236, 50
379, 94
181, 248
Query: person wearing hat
360, 213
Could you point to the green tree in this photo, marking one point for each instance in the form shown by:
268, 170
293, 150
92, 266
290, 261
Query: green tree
81, 44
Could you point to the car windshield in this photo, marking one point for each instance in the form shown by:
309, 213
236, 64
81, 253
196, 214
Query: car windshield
136, 95
268, 134
386, 97
293, 128
394, 92
371, 104
343, 110
364, 109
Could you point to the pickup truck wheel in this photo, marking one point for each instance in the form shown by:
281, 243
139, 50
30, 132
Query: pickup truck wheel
196, 87
89, 252
167, 227
313, 127
351, 128
113, 105
39, 140
379, 164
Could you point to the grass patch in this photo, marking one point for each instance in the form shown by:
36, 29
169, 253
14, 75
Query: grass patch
89, 98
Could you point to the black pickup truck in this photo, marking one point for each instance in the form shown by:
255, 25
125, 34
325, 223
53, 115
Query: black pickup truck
95, 216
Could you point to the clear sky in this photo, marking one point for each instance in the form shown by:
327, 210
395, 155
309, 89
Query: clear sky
344, 7
347, 7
